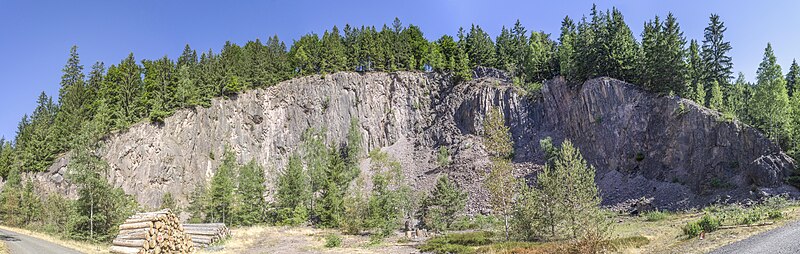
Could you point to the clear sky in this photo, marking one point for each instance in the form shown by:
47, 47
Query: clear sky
35, 36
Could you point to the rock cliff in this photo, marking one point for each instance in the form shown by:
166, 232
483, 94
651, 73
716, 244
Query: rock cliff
642, 144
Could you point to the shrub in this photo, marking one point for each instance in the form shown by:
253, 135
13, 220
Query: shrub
333, 241
457, 243
709, 223
655, 215
443, 156
750, 217
692, 229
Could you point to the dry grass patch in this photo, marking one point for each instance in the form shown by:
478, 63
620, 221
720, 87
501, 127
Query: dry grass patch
272, 239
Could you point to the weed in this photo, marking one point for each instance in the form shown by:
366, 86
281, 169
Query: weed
333, 241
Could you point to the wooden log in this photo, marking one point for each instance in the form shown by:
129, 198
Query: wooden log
124, 250
129, 243
146, 224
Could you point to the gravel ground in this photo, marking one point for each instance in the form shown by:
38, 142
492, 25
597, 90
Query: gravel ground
23, 244
780, 240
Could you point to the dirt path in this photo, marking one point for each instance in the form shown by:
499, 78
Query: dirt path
23, 244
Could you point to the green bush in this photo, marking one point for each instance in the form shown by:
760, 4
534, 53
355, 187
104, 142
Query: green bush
655, 215
692, 229
485, 222
709, 223
750, 217
457, 243
333, 241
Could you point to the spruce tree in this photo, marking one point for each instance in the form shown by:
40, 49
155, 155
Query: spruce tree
252, 206
695, 67
479, 47
566, 49
718, 64
71, 99
221, 194
792, 77
439, 209
292, 193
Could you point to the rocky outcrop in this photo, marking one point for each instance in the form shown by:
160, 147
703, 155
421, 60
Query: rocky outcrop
662, 146
642, 144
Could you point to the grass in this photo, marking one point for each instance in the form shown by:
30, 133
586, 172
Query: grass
655, 215
3, 248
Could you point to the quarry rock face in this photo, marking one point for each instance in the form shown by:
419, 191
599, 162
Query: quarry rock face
642, 144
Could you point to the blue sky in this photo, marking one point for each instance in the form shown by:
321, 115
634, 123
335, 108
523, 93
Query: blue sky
35, 36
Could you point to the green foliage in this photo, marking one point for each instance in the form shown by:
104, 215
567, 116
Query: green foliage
663, 47
439, 209
333, 241
714, 52
692, 229
552, 209
221, 193
476, 222
390, 198
770, 103
655, 215
292, 193
457, 243
500, 182
251, 207
443, 156
168, 202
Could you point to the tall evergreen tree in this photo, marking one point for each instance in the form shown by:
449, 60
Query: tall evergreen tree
792, 77
71, 99
252, 206
566, 48
479, 47
718, 64
221, 193
695, 67
293, 193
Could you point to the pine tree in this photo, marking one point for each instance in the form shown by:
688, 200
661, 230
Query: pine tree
439, 209
770, 103
390, 196
717, 63
700, 94
221, 193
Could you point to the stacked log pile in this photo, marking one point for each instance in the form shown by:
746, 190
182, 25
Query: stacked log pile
206, 234
152, 233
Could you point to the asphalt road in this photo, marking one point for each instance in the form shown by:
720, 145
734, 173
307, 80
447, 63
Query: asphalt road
785, 239
23, 244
